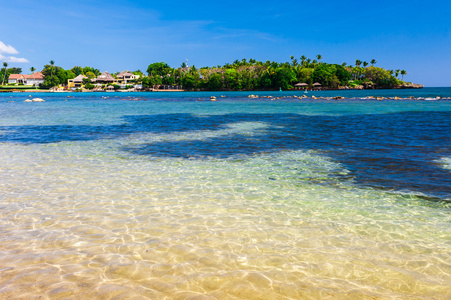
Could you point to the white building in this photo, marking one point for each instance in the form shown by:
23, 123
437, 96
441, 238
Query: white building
33, 79
125, 76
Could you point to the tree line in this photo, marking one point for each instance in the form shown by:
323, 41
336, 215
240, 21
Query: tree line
241, 75
256, 75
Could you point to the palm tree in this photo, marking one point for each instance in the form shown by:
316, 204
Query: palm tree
365, 64
5, 64
303, 58
319, 57
32, 69
397, 72
344, 64
52, 63
403, 72
356, 70
373, 62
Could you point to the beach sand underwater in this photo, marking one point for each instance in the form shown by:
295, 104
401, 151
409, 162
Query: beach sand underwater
178, 197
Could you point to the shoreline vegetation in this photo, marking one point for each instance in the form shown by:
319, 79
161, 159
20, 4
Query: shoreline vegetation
241, 75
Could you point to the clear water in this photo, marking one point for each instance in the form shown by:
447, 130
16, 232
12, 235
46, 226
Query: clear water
174, 196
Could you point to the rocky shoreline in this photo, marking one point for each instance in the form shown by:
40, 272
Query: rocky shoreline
359, 87
272, 98
348, 98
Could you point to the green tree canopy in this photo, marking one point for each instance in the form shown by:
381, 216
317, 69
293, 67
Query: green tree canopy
214, 83
158, 69
55, 75
92, 70
250, 74
77, 70
331, 75
90, 75
283, 78
380, 77
5, 72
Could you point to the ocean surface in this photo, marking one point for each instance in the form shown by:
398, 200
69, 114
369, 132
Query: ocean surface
174, 196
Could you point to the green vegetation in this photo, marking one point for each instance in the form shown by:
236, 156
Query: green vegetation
55, 76
255, 75
16, 87
4, 72
239, 75
87, 71
5, 64
89, 86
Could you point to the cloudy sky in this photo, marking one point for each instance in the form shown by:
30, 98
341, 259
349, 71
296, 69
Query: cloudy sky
116, 35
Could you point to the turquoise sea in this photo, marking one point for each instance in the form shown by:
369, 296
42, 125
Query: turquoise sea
175, 196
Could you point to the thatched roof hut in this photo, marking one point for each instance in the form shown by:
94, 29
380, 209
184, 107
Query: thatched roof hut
125, 74
79, 78
105, 77
317, 84
300, 85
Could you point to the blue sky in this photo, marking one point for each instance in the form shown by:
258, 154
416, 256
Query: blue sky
117, 35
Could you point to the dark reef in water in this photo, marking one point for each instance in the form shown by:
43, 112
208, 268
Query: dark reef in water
394, 151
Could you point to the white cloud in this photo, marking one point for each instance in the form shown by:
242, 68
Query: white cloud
13, 59
7, 49
17, 59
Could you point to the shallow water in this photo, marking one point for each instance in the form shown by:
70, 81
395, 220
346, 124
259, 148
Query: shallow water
234, 199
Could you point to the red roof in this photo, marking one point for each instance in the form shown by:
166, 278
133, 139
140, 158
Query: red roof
15, 76
37, 75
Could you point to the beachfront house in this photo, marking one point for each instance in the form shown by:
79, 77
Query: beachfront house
105, 78
126, 76
33, 79
77, 82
